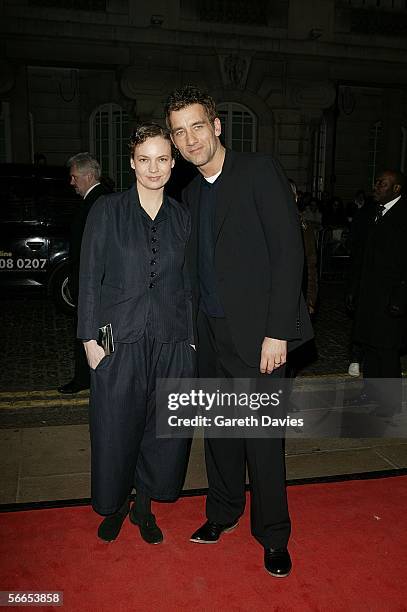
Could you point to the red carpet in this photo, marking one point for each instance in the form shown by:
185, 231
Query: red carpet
349, 549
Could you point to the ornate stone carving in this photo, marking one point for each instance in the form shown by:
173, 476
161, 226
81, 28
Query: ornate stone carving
135, 81
234, 70
385, 20
84, 5
312, 95
234, 11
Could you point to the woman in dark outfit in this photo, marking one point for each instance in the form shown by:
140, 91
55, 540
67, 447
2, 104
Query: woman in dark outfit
132, 276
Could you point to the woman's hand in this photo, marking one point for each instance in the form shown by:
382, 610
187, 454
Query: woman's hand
94, 353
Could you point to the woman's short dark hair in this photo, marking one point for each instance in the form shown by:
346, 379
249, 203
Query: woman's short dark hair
143, 131
186, 96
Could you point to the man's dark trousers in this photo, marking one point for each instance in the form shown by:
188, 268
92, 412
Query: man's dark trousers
226, 458
382, 378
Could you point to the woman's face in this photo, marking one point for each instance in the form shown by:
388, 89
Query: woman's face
152, 162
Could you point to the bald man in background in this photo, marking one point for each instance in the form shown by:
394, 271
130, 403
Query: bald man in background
379, 290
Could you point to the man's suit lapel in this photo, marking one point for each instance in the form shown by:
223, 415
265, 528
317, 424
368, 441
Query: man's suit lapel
223, 199
93, 195
391, 218
395, 212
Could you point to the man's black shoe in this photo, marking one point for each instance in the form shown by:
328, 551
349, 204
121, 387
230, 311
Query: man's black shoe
277, 562
72, 387
149, 530
210, 532
110, 527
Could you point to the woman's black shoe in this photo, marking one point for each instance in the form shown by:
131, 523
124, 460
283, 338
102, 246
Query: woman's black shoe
149, 530
110, 527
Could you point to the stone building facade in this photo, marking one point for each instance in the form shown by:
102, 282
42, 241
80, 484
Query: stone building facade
322, 84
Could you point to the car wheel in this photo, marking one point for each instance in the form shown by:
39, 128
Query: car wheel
60, 291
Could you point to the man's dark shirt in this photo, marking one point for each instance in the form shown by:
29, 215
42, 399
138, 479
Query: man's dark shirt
210, 302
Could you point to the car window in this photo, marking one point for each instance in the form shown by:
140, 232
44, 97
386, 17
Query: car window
17, 199
58, 200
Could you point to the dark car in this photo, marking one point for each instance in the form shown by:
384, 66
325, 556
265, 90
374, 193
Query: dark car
36, 209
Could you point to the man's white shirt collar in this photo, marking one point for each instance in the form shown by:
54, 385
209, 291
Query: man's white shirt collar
90, 189
390, 204
212, 179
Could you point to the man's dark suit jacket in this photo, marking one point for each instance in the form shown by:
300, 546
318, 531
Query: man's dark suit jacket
258, 254
77, 228
379, 280
115, 271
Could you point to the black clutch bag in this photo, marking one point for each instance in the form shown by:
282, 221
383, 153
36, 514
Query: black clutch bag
105, 339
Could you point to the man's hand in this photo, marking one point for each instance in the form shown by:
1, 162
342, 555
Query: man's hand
273, 354
94, 353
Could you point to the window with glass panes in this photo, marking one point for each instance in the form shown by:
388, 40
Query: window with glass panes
109, 130
375, 150
318, 170
238, 126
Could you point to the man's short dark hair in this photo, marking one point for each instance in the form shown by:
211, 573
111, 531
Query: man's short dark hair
85, 162
149, 130
186, 96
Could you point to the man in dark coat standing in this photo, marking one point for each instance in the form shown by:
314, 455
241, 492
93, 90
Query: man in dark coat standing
85, 178
245, 259
379, 287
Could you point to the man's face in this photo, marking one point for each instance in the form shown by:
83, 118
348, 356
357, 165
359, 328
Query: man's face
152, 162
194, 135
385, 188
81, 181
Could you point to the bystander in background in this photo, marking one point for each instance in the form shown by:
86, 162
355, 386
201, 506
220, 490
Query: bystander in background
85, 176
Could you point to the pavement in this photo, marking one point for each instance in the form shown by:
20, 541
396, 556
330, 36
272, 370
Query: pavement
44, 438
37, 340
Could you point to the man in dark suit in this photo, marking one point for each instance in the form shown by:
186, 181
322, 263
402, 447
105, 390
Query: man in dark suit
245, 260
85, 178
379, 288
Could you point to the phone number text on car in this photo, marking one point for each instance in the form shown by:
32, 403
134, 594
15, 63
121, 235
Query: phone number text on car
22, 263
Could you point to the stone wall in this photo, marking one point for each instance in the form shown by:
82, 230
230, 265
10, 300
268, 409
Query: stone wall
60, 61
